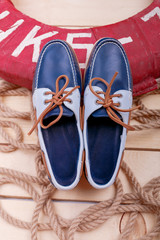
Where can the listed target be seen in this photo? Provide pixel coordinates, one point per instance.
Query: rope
(149, 118)
(141, 200)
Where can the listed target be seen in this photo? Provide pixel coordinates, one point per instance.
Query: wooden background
(142, 151)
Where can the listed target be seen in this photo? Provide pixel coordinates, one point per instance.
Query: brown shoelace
(56, 100)
(108, 103)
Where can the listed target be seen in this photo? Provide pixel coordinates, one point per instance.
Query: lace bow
(107, 101)
(56, 100)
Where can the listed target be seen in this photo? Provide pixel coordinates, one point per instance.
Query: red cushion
(22, 38)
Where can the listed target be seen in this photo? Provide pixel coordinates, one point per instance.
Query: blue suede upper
(108, 57)
(103, 134)
(61, 139)
(56, 59)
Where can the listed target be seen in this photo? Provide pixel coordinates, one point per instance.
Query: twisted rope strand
(150, 118)
(129, 226)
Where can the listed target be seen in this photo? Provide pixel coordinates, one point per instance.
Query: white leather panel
(38, 100)
(125, 103)
(90, 101)
(74, 105)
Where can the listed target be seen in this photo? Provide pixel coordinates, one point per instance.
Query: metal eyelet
(119, 104)
(44, 102)
(96, 102)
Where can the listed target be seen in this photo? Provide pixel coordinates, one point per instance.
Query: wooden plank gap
(142, 149)
(5, 197)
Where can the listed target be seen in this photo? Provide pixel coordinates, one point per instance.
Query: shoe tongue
(101, 112)
(55, 112)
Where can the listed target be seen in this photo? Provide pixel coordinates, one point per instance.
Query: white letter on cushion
(155, 11)
(5, 34)
(4, 14)
(71, 36)
(30, 40)
(125, 40)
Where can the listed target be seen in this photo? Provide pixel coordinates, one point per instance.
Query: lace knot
(56, 101)
(108, 103)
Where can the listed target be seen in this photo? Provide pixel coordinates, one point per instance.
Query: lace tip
(30, 132)
(131, 128)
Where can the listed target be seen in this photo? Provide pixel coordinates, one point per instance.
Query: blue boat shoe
(107, 107)
(56, 100)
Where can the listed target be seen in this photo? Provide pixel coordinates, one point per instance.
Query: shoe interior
(62, 144)
(104, 137)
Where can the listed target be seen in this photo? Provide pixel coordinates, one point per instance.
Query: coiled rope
(144, 199)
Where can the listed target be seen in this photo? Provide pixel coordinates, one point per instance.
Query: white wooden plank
(146, 139)
(145, 166)
(152, 101)
(18, 103)
(150, 138)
